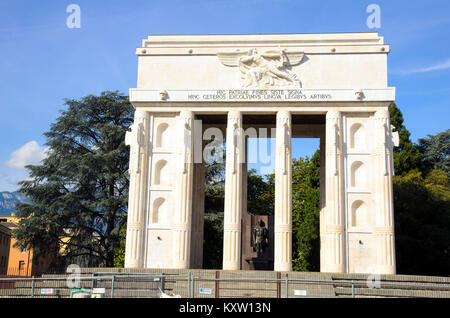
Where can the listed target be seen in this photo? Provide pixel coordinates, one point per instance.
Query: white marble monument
(328, 86)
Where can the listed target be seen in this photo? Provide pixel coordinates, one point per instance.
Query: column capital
(234, 114)
(140, 114)
(187, 114)
(382, 114)
(333, 114)
(283, 115)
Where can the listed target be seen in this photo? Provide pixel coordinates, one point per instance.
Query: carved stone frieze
(270, 69)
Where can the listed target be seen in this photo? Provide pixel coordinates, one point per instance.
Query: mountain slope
(8, 201)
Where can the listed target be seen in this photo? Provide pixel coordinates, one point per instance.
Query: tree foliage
(305, 213)
(422, 223)
(421, 201)
(213, 220)
(260, 193)
(215, 184)
(435, 152)
(213, 240)
(406, 155)
(79, 192)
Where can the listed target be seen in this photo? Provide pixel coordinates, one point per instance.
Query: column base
(386, 270)
(282, 267)
(180, 266)
(333, 268)
(132, 264)
(231, 266)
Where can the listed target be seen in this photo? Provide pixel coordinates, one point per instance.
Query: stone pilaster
(138, 139)
(384, 228)
(283, 193)
(233, 192)
(183, 204)
(334, 230)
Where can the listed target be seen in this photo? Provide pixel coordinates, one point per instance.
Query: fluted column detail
(334, 229)
(322, 228)
(233, 192)
(138, 139)
(183, 204)
(384, 229)
(283, 193)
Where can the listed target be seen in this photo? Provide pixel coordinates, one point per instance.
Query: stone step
(247, 293)
(376, 292)
(393, 278)
(296, 290)
(50, 284)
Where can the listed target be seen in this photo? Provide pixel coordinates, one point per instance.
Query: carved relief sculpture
(265, 70)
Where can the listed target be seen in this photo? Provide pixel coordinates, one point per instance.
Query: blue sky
(42, 62)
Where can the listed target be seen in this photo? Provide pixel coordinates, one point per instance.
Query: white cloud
(29, 154)
(441, 66)
(9, 179)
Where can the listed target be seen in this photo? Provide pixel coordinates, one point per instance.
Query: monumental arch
(329, 86)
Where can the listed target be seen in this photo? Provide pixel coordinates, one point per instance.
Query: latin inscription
(258, 95)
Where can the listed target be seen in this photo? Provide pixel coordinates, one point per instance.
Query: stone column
(198, 204)
(244, 168)
(138, 139)
(322, 217)
(283, 193)
(384, 228)
(183, 203)
(334, 226)
(233, 192)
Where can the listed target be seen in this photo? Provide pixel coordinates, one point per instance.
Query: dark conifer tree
(79, 192)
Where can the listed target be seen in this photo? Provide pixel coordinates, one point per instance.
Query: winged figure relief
(268, 69)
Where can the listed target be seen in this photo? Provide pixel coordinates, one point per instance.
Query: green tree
(214, 207)
(213, 240)
(305, 213)
(422, 223)
(119, 254)
(215, 184)
(260, 193)
(406, 155)
(435, 152)
(79, 192)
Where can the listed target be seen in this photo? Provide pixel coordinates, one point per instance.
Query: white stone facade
(340, 79)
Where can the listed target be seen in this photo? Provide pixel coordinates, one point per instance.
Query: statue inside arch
(260, 237)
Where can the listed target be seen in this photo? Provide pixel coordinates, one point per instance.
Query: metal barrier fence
(29, 272)
(212, 284)
(110, 286)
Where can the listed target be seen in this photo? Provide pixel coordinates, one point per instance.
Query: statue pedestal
(252, 260)
(255, 263)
